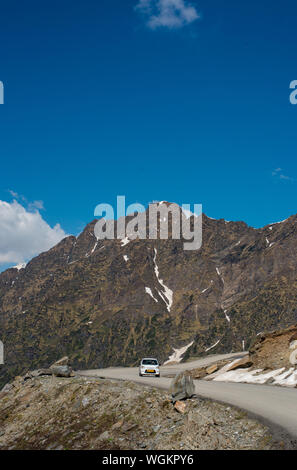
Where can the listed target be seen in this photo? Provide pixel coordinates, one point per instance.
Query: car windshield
(147, 362)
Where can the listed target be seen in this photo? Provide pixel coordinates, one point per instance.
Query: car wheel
(158, 376)
(140, 375)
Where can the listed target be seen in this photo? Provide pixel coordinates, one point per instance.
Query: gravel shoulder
(91, 413)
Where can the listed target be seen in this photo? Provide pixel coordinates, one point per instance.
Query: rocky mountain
(110, 302)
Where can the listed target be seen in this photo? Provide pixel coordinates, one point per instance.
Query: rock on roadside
(180, 406)
(61, 371)
(64, 361)
(211, 369)
(61, 368)
(243, 363)
(182, 387)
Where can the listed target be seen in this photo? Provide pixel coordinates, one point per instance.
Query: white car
(149, 366)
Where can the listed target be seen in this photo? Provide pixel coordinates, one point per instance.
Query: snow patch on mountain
(220, 275)
(285, 378)
(167, 294)
(19, 266)
(148, 290)
(227, 316)
(213, 346)
(95, 246)
(125, 241)
(204, 290)
(178, 354)
(207, 288)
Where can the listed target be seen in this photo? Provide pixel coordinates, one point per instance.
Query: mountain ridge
(101, 302)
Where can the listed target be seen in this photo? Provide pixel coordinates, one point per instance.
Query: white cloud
(278, 172)
(14, 194)
(170, 14)
(31, 205)
(36, 205)
(24, 233)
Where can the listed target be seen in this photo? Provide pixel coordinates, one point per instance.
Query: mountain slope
(110, 302)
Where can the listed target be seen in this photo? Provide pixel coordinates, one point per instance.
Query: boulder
(180, 406)
(182, 387)
(61, 371)
(64, 361)
(212, 369)
(243, 363)
(61, 368)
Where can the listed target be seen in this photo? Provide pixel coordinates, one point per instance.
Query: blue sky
(191, 106)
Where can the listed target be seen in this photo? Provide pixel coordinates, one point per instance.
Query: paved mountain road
(276, 405)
